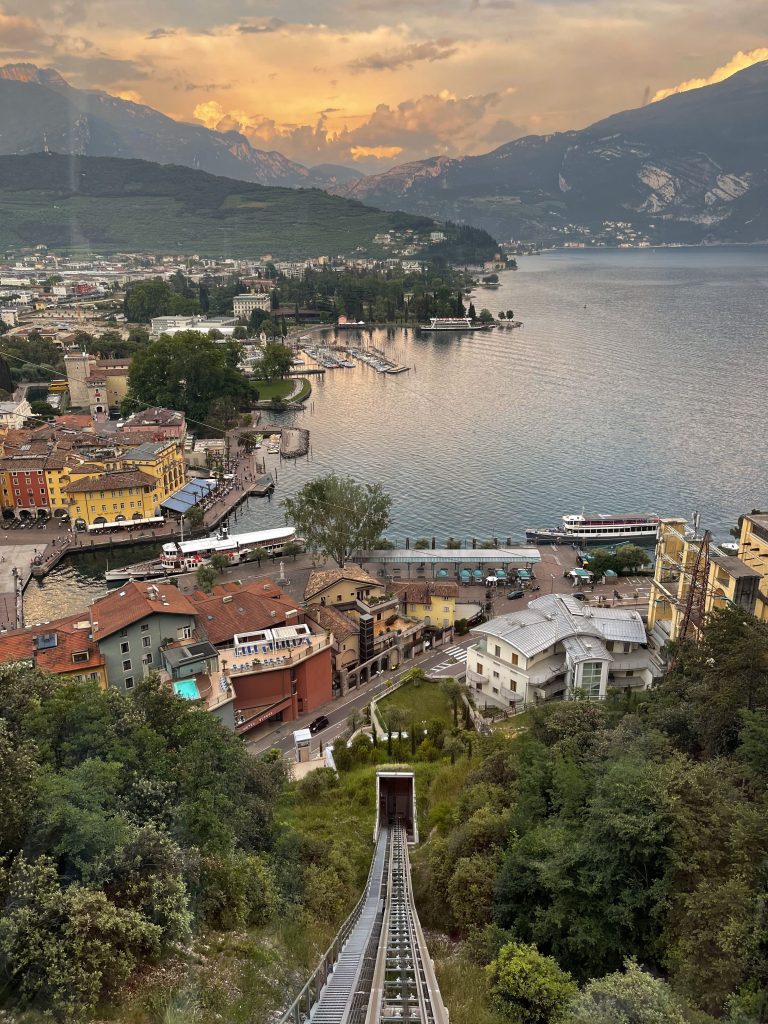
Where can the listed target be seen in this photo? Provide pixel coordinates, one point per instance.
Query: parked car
(321, 722)
(579, 596)
(513, 595)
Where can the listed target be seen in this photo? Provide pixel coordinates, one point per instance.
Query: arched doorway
(59, 513)
(24, 513)
(99, 521)
(137, 515)
(120, 518)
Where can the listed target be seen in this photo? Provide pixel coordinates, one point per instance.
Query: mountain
(105, 204)
(692, 167)
(39, 111)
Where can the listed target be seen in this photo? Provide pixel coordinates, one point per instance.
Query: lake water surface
(637, 383)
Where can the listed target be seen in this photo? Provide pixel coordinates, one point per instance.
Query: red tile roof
(422, 591)
(111, 482)
(135, 601)
(72, 638)
(238, 608)
(321, 579)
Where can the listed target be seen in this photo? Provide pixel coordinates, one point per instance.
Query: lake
(637, 383)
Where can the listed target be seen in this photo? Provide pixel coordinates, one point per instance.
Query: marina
(461, 469)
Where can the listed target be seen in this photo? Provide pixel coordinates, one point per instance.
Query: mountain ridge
(691, 167)
(40, 110)
(109, 204)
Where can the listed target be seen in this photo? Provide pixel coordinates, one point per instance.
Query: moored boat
(585, 529)
(452, 323)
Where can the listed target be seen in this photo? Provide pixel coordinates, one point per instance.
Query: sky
(373, 83)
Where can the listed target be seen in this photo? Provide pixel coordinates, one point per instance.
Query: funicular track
(378, 970)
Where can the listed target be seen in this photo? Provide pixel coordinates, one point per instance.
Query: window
(514, 659)
(125, 648)
(146, 641)
(480, 669)
(591, 673)
(145, 627)
(497, 650)
(147, 659)
(128, 682)
(123, 632)
(127, 666)
(495, 675)
(80, 656)
(184, 632)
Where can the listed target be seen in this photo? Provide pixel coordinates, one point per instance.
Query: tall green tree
(337, 516)
(188, 372)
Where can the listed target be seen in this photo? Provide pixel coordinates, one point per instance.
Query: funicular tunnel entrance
(396, 801)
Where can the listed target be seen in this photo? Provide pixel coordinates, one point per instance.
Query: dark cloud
(161, 33)
(101, 71)
(438, 49)
(270, 25)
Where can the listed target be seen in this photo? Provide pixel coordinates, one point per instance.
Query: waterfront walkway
(36, 551)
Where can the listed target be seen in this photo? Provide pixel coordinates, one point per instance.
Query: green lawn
(423, 703)
(271, 389)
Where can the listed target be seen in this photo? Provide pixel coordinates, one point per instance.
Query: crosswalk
(456, 654)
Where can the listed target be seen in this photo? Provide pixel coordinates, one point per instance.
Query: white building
(13, 414)
(173, 324)
(243, 305)
(556, 646)
(9, 315)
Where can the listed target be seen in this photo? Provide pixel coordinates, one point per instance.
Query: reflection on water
(631, 387)
(75, 582)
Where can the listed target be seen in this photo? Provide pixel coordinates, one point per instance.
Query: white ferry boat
(586, 529)
(452, 323)
(188, 555)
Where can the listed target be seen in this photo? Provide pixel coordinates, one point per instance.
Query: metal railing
(301, 1008)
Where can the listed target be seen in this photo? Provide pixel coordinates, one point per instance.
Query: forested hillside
(593, 864)
(605, 833)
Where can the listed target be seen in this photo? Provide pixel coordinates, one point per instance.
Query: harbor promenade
(34, 552)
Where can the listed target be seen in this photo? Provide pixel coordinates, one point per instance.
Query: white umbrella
(490, 580)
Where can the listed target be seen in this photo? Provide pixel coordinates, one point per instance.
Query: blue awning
(181, 501)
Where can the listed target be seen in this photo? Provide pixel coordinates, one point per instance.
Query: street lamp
(552, 584)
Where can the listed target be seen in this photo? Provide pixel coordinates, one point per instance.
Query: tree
(291, 549)
(42, 409)
(422, 544)
(191, 373)
(219, 562)
(453, 690)
(194, 517)
(472, 312)
(511, 312)
(628, 997)
(528, 988)
(631, 557)
(453, 544)
(338, 516)
(206, 577)
(275, 363)
(453, 745)
(502, 315)
(383, 544)
(486, 316)
(247, 441)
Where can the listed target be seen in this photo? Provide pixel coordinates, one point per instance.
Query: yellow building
(342, 586)
(112, 497)
(684, 562)
(429, 601)
(753, 551)
(162, 460)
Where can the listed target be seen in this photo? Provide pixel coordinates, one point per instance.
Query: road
(445, 661)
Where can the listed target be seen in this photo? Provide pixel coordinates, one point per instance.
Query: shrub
(529, 988)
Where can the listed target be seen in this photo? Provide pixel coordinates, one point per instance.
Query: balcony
(268, 658)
